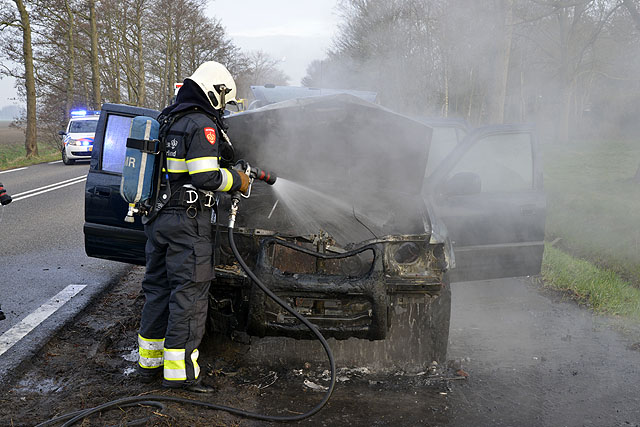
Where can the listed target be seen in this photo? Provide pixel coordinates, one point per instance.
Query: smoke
(361, 163)
(482, 62)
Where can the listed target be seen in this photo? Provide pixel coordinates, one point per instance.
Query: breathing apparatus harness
(155, 400)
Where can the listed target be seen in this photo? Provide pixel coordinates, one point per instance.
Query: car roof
(91, 117)
(271, 94)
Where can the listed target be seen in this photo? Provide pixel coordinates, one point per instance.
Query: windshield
(83, 126)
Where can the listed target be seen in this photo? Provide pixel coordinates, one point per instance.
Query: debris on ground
(92, 360)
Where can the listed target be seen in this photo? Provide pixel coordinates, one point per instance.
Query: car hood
(82, 135)
(339, 143)
(343, 163)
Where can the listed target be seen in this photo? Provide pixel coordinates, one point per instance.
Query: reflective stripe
(176, 165)
(194, 359)
(227, 180)
(174, 365)
(151, 343)
(150, 362)
(150, 352)
(202, 164)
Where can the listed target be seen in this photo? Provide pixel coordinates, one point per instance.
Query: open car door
(488, 194)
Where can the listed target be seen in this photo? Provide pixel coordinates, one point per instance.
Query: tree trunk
(499, 95)
(141, 75)
(71, 61)
(30, 143)
(633, 11)
(635, 15)
(95, 64)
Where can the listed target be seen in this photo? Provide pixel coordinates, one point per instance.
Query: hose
(155, 399)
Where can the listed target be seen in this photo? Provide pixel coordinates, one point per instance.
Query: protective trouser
(179, 270)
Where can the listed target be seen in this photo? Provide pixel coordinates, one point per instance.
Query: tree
(24, 56)
(260, 69)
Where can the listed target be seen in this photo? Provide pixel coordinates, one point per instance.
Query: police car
(77, 140)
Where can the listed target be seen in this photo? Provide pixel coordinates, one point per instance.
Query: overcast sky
(293, 31)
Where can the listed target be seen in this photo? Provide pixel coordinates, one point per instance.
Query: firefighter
(179, 250)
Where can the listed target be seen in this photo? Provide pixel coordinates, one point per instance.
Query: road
(42, 256)
(534, 358)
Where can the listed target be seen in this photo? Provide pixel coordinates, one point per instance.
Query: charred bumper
(348, 294)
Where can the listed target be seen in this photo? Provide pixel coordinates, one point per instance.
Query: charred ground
(91, 360)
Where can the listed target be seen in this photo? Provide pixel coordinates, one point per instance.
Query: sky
(293, 31)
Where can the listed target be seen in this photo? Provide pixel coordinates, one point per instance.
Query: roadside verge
(598, 288)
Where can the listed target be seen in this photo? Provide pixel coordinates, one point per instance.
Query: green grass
(12, 156)
(593, 205)
(601, 289)
(13, 153)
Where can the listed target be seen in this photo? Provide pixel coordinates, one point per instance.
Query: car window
(504, 162)
(83, 126)
(443, 141)
(115, 140)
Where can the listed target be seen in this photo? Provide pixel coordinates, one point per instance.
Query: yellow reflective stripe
(150, 354)
(202, 164)
(227, 180)
(174, 365)
(194, 359)
(176, 165)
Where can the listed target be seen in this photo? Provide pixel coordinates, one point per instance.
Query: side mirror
(462, 184)
(61, 133)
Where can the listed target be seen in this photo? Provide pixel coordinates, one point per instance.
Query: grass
(13, 153)
(601, 289)
(593, 205)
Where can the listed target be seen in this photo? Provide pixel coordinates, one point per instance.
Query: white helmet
(216, 82)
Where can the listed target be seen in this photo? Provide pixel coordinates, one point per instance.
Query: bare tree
(23, 23)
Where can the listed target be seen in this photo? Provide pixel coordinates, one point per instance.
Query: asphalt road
(45, 274)
(536, 358)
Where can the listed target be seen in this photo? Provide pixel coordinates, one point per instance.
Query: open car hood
(368, 160)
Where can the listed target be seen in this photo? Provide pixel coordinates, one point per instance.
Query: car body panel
(497, 231)
(271, 94)
(347, 295)
(106, 233)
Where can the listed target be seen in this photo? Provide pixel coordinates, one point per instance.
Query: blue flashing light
(78, 113)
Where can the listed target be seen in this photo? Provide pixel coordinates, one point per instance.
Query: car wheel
(65, 159)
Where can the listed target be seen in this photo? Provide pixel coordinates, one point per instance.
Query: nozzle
(268, 177)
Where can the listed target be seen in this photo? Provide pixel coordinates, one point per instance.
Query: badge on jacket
(210, 134)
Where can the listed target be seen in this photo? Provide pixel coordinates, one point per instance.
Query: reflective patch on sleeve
(210, 134)
(176, 165)
(202, 164)
(174, 365)
(227, 180)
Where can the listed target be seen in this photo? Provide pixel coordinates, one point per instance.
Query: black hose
(153, 399)
(302, 319)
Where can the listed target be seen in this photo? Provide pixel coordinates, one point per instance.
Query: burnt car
(352, 186)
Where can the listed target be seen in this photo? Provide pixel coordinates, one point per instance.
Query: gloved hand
(244, 178)
(5, 199)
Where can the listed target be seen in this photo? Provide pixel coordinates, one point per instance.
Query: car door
(106, 234)
(489, 195)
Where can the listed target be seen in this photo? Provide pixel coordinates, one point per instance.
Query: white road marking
(47, 188)
(53, 163)
(13, 170)
(26, 325)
